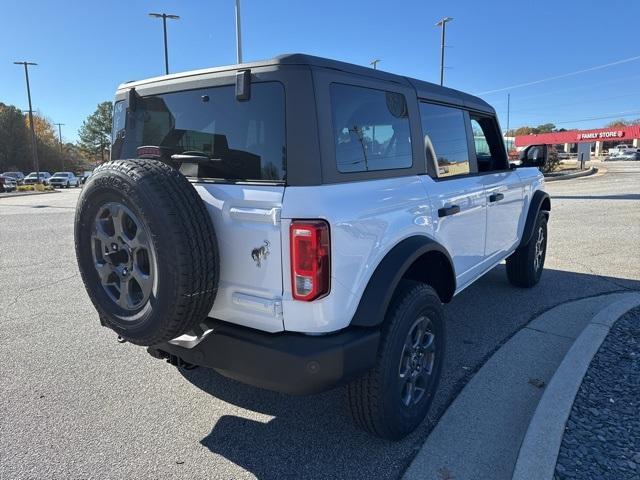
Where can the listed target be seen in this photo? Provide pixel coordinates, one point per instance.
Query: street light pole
(34, 148)
(508, 109)
(164, 17)
(60, 141)
(442, 23)
(238, 33)
(375, 63)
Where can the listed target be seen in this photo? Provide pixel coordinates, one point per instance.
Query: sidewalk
(480, 434)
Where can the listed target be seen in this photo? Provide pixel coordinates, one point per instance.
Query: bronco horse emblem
(259, 254)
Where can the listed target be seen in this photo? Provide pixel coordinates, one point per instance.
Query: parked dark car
(19, 176)
(7, 183)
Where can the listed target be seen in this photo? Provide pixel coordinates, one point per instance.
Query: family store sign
(628, 133)
(599, 135)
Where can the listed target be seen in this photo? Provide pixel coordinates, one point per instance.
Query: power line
(580, 102)
(628, 113)
(564, 75)
(572, 89)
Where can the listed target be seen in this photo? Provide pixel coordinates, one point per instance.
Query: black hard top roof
(424, 89)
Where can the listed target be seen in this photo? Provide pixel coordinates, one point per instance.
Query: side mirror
(534, 156)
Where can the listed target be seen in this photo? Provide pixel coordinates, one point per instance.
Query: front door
(503, 188)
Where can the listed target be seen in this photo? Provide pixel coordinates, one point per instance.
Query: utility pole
(164, 17)
(34, 145)
(60, 141)
(238, 33)
(375, 63)
(442, 23)
(508, 113)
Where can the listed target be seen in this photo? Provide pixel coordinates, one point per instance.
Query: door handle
(450, 210)
(495, 197)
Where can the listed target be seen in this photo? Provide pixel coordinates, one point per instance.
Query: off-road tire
(521, 269)
(374, 399)
(183, 239)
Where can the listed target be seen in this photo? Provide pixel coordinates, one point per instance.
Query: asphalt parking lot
(77, 404)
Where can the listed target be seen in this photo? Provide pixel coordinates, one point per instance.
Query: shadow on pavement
(314, 437)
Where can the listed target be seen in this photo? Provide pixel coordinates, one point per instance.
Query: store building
(601, 139)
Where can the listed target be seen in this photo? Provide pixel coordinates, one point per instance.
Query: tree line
(16, 149)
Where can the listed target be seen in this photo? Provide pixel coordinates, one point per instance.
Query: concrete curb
(539, 450)
(24, 194)
(584, 173)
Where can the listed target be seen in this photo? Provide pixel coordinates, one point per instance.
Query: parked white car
(64, 180)
(301, 254)
(627, 154)
(33, 178)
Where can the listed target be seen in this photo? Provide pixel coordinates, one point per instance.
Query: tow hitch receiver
(170, 358)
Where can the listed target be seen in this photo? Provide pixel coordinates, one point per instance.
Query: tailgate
(246, 219)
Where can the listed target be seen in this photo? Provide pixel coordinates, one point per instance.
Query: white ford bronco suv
(297, 223)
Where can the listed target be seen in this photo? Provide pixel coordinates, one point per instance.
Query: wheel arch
(540, 202)
(417, 258)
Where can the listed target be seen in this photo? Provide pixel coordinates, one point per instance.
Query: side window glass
(445, 138)
(487, 141)
(370, 129)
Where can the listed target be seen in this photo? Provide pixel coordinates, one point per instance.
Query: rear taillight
(310, 253)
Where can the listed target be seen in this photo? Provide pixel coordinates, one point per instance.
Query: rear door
(456, 193)
(246, 219)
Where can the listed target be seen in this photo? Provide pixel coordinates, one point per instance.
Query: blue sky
(85, 48)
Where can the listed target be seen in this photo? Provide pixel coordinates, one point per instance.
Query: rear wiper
(190, 157)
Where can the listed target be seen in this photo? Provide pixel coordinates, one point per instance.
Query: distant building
(601, 139)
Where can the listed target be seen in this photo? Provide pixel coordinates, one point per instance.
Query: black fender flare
(540, 202)
(382, 284)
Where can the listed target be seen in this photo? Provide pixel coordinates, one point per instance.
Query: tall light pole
(442, 23)
(60, 142)
(164, 17)
(34, 148)
(238, 33)
(508, 115)
(374, 63)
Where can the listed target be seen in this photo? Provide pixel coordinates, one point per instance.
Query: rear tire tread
(196, 254)
(364, 395)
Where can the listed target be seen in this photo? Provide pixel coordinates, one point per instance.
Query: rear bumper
(285, 362)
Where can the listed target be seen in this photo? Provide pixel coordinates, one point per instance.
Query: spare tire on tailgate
(146, 249)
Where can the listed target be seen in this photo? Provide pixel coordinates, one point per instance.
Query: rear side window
(244, 140)
(370, 129)
(445, 139)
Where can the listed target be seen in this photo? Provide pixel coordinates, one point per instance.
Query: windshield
(245, 140)
(60, 174)
(11, 174)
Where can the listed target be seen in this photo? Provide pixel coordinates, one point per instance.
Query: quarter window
(370, 129)
(490, 153)
(445, 139)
